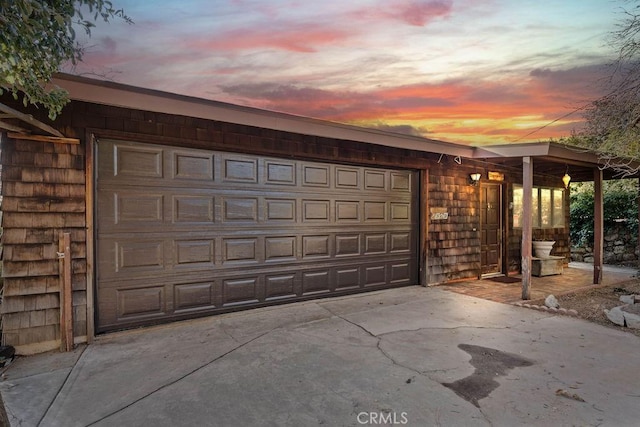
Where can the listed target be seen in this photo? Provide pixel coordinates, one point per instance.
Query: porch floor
(576, 276)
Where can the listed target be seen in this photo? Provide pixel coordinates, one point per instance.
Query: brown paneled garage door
(185, 232)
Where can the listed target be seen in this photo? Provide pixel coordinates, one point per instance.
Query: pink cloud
(420, 12)
(412, 12)
(296, 38)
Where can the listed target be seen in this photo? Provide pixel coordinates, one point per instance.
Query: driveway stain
(489, 363)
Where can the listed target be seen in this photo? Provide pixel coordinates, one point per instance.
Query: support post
(598, 227)
(527, 188)
(66, 295)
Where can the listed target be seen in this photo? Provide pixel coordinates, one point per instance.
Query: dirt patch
(590, 303)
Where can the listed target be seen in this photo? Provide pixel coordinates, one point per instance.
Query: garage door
(185, 232)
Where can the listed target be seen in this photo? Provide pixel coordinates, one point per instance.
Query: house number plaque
(439, 213)
(495, 176)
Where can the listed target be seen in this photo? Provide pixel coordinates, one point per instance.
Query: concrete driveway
(411, 356)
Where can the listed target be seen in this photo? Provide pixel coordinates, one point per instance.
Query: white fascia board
(512, 150)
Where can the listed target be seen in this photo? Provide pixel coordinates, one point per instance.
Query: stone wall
(620, 248)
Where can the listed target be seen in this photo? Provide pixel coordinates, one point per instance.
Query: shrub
(620, 205)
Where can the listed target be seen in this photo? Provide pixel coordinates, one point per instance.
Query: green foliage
(37, 37)
(581, 218)
(620, 205)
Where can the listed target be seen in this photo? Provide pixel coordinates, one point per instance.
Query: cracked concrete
(335, 362)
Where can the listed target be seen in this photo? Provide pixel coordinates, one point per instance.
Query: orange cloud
(523, 108)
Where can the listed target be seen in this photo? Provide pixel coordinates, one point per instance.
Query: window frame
(556, 218)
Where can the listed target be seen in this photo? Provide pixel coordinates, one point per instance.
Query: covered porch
(567, 164)
(508, 289)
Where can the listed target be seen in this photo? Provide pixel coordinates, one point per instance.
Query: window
(547, 207)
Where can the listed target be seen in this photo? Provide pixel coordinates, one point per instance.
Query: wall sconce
(566, 179)
(474, 178)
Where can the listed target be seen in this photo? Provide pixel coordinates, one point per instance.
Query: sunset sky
(466, 71)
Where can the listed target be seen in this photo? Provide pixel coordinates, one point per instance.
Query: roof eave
(116, 94)
(532, 149)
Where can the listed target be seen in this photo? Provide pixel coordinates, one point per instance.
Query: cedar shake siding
(453, 243)
(43, 196)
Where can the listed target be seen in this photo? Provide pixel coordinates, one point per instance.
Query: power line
(552, 122)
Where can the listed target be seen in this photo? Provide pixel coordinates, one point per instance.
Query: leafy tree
(37, 37)
(581, 216)
(613, 121)
(620, 205)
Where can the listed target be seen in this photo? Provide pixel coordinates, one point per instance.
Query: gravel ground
(591, 303)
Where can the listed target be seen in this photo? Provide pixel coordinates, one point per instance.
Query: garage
(185, 232)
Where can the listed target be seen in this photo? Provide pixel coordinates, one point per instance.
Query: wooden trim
(11, 127)
(501, 219)
(37, 347)
(506, 221)
(43, 138)
(395, 158)
(66, 294)
(424, 226)
(29, 119)
(90, 143)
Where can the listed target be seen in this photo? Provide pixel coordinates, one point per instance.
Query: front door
(490, 228)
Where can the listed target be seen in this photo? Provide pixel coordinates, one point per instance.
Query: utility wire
(552, 122)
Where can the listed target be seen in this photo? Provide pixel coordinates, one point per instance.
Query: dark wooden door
(491, 228)
(184, 232)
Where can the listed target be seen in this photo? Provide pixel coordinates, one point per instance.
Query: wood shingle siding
(454, 243)
(43, 196)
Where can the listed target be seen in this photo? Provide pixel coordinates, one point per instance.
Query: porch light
(474, 178)
(566, 178)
